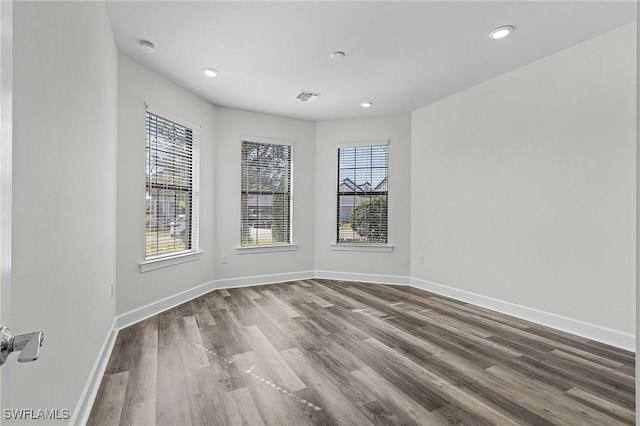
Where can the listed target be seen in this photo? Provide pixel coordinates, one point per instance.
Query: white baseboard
(609, 336)
(81, 414)
(134, 316)
(573, 326)
(263, 279)
(367, 278)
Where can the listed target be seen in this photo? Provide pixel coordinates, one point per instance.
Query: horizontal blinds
(171, 176)
(266, 193)
(362, 194)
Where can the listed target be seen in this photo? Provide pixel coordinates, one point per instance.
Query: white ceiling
(400, 55)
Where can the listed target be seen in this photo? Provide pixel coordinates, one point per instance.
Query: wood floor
(332, 352)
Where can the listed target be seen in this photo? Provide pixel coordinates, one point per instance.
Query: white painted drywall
(231, 124)
(397, 129)
(138, 85)
(64, 196)
(220, 133)
(6, 143)
(637, 299)
(523, 187)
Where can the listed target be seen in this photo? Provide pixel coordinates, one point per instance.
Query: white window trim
(271, 248)
(266, 248)
(170, 260)
(361, 143)
(382, 248)
(171, 117)
(270, 141)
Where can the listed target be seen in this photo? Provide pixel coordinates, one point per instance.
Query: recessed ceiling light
(501, 32)
(146, 46)
(367, 104)
(337, 55)
(210, 72)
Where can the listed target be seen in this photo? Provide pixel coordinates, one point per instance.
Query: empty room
(301, 212)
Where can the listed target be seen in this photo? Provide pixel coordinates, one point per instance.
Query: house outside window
(362, 194)
(266, 193)
(171, 187)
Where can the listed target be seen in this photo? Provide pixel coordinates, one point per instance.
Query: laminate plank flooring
(324, 352)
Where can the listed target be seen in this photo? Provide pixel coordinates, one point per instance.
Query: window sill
(266, 248)
(380, 248)
(163, 262)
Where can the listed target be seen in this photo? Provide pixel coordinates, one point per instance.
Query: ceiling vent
(305, 96)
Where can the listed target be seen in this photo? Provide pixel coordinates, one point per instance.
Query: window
(172, 188)
(362, 194)
(265, 193)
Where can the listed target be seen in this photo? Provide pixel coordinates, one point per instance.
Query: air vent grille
(306, 96)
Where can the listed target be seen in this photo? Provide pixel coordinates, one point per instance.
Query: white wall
(220, 133)
(231, 124)
(138, 85)
(64, 196)
(637, 300)
(523, 187)
(397, 129)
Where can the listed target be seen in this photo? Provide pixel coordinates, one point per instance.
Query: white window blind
(266, 193)
(172, 187)
(362, 194)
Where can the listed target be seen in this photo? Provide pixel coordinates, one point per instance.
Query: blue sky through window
(364, 163)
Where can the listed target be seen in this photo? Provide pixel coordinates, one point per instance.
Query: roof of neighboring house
(382, 186)
(347, 185)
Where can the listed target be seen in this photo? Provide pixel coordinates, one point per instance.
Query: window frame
(193, 252)
(290, 245)
(364, 246)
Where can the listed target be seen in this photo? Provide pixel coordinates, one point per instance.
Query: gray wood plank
(331, 396)
(194, 355)
(202, 313)
(240, 408)
(172, 402)
(408, 411)
(140, 406)
(549, 402)
(620, 413)
(270, 295)
(271, 360)
(107, 408)
(276, 406)
(436, 384)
